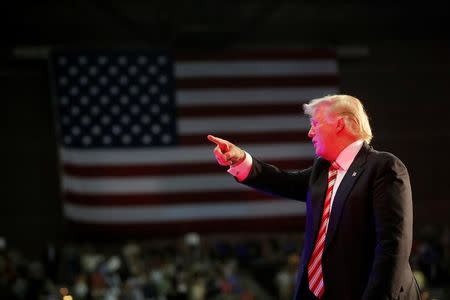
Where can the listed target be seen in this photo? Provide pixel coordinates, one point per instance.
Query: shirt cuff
(242, 169)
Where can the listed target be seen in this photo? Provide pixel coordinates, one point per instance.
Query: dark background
(395, 57)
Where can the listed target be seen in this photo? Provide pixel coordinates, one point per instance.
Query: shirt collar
(346, 157)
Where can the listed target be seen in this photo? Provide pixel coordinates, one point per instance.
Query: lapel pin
(354, 174)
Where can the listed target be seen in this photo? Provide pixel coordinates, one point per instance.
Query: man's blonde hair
(347, 107)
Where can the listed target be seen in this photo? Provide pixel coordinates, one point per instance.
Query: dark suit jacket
(368, 243)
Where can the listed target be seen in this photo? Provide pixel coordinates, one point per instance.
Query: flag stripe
(270, 95)
(281, 137)
(241, 124)
(182, 212)
(259, 54)
(278, 108)
(192, 154)
(164, 198)
(267, 68)
(138, 229)
(252, 82)
(150, 184)
(166, 169)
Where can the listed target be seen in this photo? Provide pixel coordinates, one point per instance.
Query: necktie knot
(334, 166)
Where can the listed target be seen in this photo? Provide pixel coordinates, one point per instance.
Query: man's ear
(340, 125)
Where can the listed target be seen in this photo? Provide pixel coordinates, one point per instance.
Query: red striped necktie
(315, 275)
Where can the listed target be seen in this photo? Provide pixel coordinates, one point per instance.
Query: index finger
(223, 145)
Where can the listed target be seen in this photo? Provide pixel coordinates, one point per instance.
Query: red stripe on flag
(249, 55)
(165, 198)
(241, 110)
(250, 82)
(164, 169)
(247, 138)
(140, 170)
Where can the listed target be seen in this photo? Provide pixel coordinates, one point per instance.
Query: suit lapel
(350, 178)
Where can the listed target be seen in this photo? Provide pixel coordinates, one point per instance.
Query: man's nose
(311, 133)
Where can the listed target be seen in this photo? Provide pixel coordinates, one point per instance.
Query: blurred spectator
(286, 277)
(80, 288)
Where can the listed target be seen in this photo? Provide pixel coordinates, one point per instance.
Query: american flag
(132, 130)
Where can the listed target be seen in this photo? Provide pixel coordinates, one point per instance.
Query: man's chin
(319, 154)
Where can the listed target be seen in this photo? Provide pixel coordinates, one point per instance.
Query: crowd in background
(191, 267)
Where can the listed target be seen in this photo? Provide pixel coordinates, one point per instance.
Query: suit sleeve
(392, 206)
(272, 180)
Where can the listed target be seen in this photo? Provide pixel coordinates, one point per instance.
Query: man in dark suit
(358, 231)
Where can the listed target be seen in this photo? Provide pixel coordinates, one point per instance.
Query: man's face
(322, 133)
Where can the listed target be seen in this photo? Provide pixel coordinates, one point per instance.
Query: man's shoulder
(384, 157)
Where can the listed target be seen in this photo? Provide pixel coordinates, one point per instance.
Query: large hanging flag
(132, 127)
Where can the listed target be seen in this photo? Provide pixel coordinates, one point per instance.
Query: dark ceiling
(194, 24)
